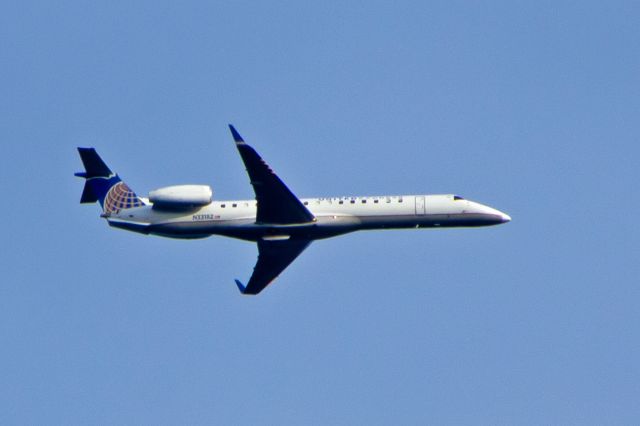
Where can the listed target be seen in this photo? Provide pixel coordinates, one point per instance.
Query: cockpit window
(457, 197)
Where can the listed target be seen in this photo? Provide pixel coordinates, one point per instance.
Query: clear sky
(530, 107)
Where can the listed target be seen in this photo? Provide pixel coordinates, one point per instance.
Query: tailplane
(104, 186)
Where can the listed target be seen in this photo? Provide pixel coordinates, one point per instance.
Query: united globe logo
(119, 197)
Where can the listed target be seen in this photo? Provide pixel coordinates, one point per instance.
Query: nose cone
(489, 215)
(502, 217)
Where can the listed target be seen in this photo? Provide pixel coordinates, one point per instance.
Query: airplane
(281, 224)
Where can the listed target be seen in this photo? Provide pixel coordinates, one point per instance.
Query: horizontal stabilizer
(93, 164)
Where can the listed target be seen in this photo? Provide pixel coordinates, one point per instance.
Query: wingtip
(236, 136)
(241, 287)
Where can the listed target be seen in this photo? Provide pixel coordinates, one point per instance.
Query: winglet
(241, 287)
(236, 136)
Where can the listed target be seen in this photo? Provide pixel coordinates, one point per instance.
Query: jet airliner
(281, 224)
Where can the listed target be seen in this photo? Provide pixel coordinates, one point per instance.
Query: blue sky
(531, 107)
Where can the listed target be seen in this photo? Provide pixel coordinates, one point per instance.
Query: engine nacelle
(181, 196)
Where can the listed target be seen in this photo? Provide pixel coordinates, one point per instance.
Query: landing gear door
(420, 207)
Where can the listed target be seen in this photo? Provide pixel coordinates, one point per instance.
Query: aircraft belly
(429, 221)
(141, 228)
(323, 227)
(198, 229)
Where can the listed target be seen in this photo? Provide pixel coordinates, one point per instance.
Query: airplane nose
(495, 216)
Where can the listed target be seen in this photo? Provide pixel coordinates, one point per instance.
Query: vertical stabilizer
(104, 186)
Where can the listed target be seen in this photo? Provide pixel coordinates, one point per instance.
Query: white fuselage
(333, 216)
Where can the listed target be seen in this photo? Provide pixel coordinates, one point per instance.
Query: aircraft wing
(276, 203)
(273, 258)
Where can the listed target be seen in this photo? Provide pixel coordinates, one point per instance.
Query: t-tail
(103, 185)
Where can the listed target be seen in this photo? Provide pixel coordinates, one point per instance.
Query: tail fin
(103, 185)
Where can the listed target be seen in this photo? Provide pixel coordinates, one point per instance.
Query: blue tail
(103, 185)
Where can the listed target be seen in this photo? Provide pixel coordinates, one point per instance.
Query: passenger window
(375, 201)
(340, 202)
(364, 201)
(223, 205)
(306, 203)
(234, 205)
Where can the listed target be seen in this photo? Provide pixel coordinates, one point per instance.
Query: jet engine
(181, 197)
